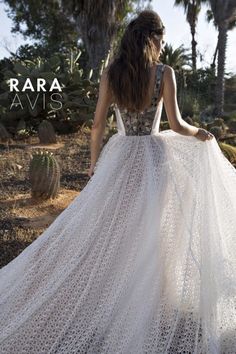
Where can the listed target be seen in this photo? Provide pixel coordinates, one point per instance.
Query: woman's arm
(171, 105)
(99, 122)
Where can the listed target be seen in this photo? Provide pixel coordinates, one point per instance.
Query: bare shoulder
(169, 77)
(169, 71)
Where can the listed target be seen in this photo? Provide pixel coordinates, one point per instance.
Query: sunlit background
(177, 33)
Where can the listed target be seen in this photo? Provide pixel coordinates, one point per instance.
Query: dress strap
(159, 76)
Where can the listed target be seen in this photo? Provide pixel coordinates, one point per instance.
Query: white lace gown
(143, 261)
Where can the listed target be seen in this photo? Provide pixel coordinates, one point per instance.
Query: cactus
(46, 133)
(21, 125)
(44, 175)
(4, 134)
(229, 151)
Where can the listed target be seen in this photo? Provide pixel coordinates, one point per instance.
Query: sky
(177, 33)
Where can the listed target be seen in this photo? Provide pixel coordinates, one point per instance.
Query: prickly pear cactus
(44, 175)
(46, 133)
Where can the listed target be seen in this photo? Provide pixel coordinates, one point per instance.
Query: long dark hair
(129, 72)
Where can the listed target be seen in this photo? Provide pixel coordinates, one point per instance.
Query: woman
(143, 260)
(135, 67)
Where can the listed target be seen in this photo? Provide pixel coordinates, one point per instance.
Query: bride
(144, 259)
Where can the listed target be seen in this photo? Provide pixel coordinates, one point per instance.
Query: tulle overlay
(142, 261)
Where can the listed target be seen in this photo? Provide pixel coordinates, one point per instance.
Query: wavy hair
(129, 72)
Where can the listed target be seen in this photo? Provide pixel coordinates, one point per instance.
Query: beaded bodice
(146, 122)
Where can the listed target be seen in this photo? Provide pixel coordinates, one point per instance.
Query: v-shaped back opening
(147, 121)
(155, 92)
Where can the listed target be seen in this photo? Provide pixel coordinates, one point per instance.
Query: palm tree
(224, 14)
(232, 25)
(176, 58)
(192, 9)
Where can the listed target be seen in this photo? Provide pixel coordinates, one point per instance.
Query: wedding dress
(143, 260)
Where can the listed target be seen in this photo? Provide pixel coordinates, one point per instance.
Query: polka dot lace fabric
(143, 261)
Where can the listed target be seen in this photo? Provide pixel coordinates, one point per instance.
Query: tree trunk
(222, 42)
(97, 44)
(194, 48)
(192, 14)
(213, 65)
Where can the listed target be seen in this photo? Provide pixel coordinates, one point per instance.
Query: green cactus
(44, 175)
(46, 133)
(78, 97)
(229, 151)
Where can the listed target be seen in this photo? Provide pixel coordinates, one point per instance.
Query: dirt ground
(22, 218)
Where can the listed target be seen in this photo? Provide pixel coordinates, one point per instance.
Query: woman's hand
(203, 134)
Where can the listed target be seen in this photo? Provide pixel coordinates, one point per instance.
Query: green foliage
(176, 58)
(56, 26)
(45, 22)
(216, 131)
(202, 83)
(22, 71)
(78, 96)
(44, 175)
(229, 151)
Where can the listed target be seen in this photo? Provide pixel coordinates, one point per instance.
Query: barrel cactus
(44, 175)
(46, 133)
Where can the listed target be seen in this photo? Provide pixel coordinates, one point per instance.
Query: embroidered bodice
(146, 122)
